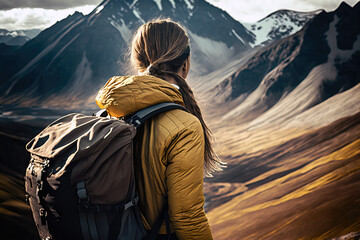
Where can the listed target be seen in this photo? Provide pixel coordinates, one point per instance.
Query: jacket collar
(125, 95)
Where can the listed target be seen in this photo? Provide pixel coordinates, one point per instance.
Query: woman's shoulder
(177, 120)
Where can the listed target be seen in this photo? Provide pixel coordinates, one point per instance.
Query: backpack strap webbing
(91, 227)
(141, 116)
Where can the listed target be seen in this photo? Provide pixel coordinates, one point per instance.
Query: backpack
(80, 181)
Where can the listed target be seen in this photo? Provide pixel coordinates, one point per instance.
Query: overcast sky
(29, 14)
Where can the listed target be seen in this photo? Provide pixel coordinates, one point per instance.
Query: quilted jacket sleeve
(184, 180)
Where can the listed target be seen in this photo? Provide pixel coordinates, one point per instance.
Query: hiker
(174, 148)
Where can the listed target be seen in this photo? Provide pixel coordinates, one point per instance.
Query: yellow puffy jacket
(172, 154)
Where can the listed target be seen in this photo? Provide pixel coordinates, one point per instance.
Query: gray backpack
(80, 181)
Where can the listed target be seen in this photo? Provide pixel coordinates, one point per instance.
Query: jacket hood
(125, 95)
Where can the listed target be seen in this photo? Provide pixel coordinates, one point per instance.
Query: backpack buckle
(43, 214)
(82, 195)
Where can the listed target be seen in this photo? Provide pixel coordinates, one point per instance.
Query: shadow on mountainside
(15, 215)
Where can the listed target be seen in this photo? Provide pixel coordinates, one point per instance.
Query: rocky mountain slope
(303, 188)
(52, 68)
(287, 124)
(278, 25)
(298, 73)
(285, 116)
(18, 37)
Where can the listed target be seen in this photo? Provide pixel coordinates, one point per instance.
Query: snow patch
(335, 53)
(98, 9)
(173, 3)
(123, 29)
(298, 106)
(238, 37)
(132, 5)
(286, 23)
(190, 5)
(158, 3)
(136, 13)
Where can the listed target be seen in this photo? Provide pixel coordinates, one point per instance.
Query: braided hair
(160, 48)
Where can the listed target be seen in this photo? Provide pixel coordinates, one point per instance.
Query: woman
(175, 145)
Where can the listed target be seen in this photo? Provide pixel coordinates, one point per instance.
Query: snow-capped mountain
(310, 77)
(74, 57)
(17, 37)
(278, 25)
(285, 116)
(287, 124)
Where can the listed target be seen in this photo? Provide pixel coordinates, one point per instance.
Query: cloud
(30, 18)
(48, 4)
(252, 11)
(328, 5)
(29, 14)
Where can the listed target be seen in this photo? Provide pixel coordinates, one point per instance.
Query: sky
(30, 14)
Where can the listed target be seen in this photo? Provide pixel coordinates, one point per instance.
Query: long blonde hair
(160, 48)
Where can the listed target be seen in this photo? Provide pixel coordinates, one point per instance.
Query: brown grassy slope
(306, 188)
(15, 217)
(254, 169)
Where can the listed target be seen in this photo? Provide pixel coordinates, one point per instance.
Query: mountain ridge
(281, 68)
(291, 144)
(53, 66)
(279, 24)
(17, 37)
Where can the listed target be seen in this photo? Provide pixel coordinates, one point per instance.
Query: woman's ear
(185, 68)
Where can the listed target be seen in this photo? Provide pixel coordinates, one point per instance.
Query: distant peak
(357, 5)
(343, 9)
(344, 5)
(77, 13)
(289, 12)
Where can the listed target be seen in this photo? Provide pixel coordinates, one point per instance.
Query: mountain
(13, 38)
(303, 188)
(285, 116)
(18, 37)
(287, 122)
(304, 71)
(53, 68)
(278, 25)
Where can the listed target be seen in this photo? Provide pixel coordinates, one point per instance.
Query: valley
(283, 106)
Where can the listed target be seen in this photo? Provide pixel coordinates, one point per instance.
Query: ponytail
(160, 48)
(212, 161)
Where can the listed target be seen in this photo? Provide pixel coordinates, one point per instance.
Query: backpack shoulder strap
(141, 116)
(101, 113)
(144, 114)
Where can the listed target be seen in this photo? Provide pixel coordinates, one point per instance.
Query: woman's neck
(169, 79)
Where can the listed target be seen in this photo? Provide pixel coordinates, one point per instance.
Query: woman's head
(160, 45)
(161, 48)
